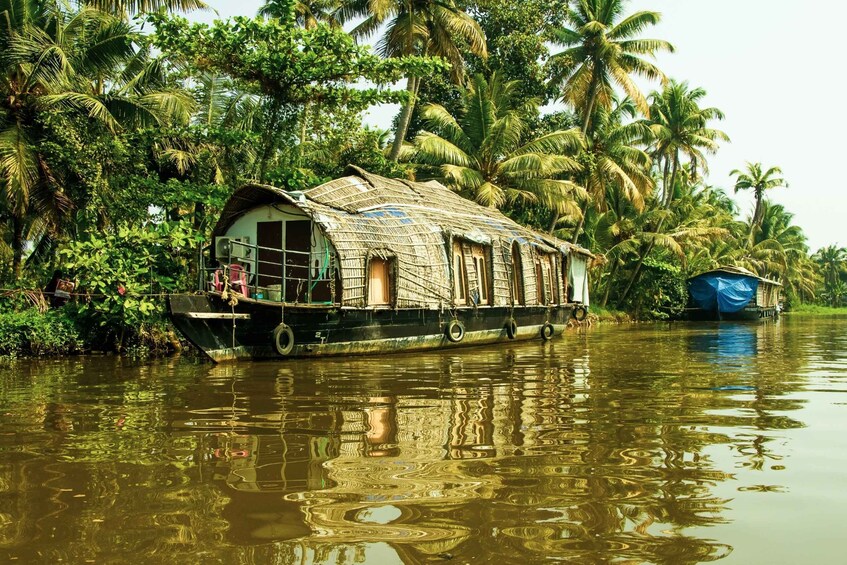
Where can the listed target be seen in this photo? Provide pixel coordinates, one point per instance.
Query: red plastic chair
(238, 279)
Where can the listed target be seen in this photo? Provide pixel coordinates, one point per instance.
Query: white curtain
(578, 277)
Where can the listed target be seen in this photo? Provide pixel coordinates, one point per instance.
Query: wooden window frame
(539, 279)
(545, 275)
(460, 275)
(481, 262)
(467, 255)
(517, 286)
(388, 265)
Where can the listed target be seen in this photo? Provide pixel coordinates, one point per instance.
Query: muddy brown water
(665, 443)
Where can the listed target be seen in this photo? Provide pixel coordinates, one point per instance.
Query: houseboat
(365, 264)
(732, 293)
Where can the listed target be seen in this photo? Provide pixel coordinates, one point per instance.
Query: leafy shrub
(31, 332)
(662, 292)
(124, 274)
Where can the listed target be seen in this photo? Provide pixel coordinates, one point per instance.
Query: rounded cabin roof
(738, 271)
(383, 212)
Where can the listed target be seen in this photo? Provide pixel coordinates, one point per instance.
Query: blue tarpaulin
(722, 292)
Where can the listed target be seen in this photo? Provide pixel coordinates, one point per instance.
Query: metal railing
(241, 273)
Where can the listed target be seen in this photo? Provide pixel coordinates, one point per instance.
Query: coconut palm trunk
(412, 86)
(647, 248)
(757, 211)
(17, 247)
(671, 182)
(586, 122)
(609, 282)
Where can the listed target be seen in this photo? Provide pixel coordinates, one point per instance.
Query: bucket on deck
(275, 292)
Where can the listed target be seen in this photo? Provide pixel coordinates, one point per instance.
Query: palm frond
(121, 7)
(435, 150)
(95, 108)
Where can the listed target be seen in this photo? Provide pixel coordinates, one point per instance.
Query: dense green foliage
(32, 332)
(124, 273)
(118, 147)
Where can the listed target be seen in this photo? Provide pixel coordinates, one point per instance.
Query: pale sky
(772, 69)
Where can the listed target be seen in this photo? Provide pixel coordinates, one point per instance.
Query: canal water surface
(631, 444)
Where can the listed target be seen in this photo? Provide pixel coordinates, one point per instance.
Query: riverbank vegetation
(818, 310)
(124, 128)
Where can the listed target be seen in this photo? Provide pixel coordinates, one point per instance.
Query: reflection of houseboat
(366, 264)
(732, 293)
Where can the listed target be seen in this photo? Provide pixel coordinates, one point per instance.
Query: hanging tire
(512, 328)
(455, 331)
(547, 331)
(283, 340)
(579, 313)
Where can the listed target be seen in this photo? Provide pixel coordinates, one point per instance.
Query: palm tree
(82, 66)
(777, 249)
(757, 181)
(481, 153)
(679, 128)
(832, 262)
(601, 49)
(614, 161)
(691, 222)
(678, 235)
(437, 28)
(220, 106)
(711, 204)
(614, 236)
(307, 13)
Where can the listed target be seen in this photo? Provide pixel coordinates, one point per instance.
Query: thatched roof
(366, 215)
(733, 270)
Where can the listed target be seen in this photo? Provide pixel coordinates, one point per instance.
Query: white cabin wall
(245, 226)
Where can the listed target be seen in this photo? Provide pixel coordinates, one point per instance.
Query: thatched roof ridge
(362, 192)
(733, 270)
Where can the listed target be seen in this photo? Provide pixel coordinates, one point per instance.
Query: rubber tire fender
(283, 340)
(547, 331)
(455, 331)
(579, 313)
(512, 328)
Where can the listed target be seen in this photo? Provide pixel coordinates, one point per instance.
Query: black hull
(751, 314)
(246, 330)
